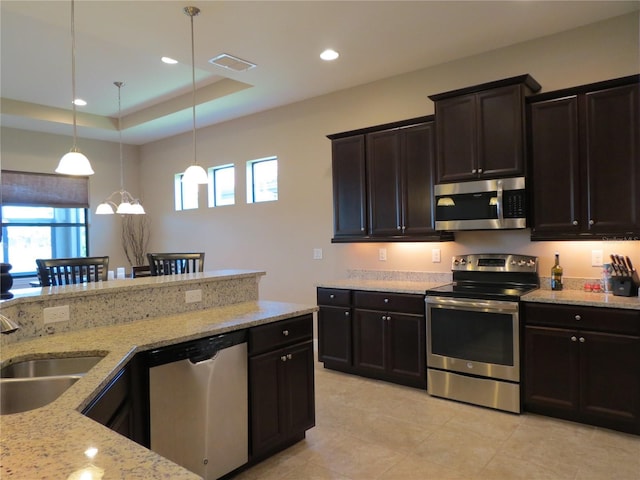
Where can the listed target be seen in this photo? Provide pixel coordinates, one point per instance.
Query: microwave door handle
(499, 203)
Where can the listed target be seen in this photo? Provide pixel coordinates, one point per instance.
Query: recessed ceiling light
(79, 102)
(329, 55)
(169, 60)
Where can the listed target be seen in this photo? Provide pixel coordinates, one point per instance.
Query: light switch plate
(435, 255)
(317, 254)
(382, 254)
(596, 258)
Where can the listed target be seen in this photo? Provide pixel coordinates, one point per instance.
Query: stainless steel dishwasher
(199, 404)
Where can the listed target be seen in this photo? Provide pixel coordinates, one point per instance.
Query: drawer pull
(332, 296)
(289, 356)
(283, 358)
(285, 333)
(578, 317)
(386, 300)
(346, 314)
(581, 339)
(573, 339)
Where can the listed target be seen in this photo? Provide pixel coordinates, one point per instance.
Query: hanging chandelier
(128, 205)
(194, 173)
(74, 162)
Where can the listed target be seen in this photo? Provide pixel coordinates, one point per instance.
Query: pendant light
(195, 173)
(74, 162)
(128, 205)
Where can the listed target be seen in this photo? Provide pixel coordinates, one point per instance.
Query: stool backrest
(171, 263)
(67, 271)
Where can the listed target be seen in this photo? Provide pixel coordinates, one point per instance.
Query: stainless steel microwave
(481, 205)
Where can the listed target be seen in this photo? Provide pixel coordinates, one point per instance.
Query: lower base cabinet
(374, 334)
(281, 384)
(583, 364)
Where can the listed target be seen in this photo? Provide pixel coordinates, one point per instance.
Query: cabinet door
(610, 380)
(612, 154)
(266, 383)
(334, 335)
(383, 175)
(417, 179)
(500, 130)
(555, 166)
(298, 403)
(551, 371)
(456, 139)
(349, 189)
(406, 339)
(369, 347)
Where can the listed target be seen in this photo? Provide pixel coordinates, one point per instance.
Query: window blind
(44, 189)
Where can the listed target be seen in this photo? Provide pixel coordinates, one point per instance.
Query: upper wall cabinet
(585, 161)
(383, 182)
(480, 130)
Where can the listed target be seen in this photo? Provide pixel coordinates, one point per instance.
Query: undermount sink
(24, 394)
(48, 367)
(31, 384)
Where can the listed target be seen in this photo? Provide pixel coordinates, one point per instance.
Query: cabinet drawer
(279, 334)
(334, 297)
(584, 318)
(393, 302)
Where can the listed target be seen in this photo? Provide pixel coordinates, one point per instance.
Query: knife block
(625, 285)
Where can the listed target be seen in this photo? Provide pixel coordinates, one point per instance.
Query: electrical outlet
(596, 258)
(192, 296)
(317, 254)
(382, 254)
(435, 255)
(56, 314)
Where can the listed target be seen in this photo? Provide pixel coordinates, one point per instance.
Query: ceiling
(124, 40)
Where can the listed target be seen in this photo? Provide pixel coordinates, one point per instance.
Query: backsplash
(401, 276)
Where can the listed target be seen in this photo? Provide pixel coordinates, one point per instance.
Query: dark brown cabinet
(281, 384)
(119, 406)
(383, 183)
(349, 187)
(583, 364)
(400, 181)
(585, 162)
(334, 326)
(480, 130)
(380, 335)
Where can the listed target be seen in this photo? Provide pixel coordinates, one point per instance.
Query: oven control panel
(495, 262)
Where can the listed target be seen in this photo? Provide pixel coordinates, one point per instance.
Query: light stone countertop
(394, 286)
(49, 442)
(579, 297)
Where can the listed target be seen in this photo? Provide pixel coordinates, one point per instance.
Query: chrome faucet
(7, 325)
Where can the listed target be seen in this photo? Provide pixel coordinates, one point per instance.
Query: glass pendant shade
(104, 209)
(195, 174)
(74, 163)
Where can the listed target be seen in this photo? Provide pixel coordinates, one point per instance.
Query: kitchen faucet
(7, 325)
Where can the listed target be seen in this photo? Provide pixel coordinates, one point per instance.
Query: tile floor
(369, 430)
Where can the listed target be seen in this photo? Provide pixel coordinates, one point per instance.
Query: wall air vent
(232, 63)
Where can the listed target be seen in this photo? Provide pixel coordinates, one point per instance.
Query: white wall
(279, 237)
(40, 152)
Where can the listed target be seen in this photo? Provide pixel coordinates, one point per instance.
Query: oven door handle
(499, 203)
(472, 303)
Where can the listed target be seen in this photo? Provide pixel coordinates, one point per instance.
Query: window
(43, 216)
(41, 232)
(222, 186)
(186, 194)
(262, 180)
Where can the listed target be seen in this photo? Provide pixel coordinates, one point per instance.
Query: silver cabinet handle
(332, 296)
(283, 358)
(582, 340)
(386, 300)
(573, 339)
(346, 314)
(578, 317)
(289, 356)
(285, 333)
(479, 170)
(384, 317)
(575, 222)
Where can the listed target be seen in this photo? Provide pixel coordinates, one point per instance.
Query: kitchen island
(53, 441)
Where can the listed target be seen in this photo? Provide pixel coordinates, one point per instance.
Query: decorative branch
(135, 238)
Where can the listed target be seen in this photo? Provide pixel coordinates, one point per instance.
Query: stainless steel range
(473, 330)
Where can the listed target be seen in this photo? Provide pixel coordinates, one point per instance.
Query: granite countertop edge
(54, 438)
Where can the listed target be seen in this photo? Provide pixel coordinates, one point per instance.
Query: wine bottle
(556, 274)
